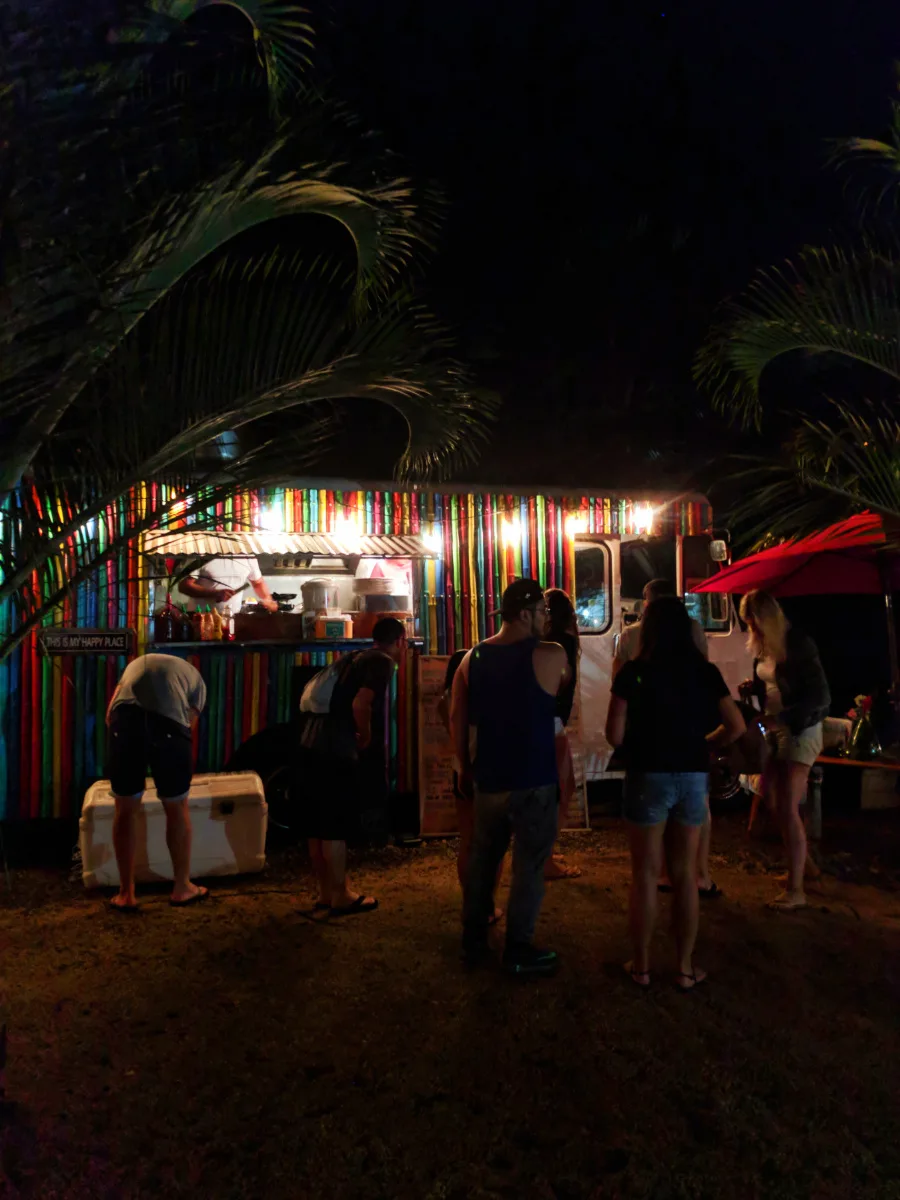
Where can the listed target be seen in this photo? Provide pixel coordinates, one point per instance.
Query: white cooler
(229, 815)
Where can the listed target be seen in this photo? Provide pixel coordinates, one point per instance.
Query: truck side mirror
(718, 550)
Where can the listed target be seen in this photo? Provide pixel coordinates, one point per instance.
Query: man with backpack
(344, 765)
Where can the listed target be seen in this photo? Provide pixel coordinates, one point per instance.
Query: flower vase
(864, 743)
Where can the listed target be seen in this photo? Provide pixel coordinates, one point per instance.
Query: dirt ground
(245, 1049)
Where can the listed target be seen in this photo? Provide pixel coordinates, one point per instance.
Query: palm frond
(831, 468)
(282, 33)
(836, 302)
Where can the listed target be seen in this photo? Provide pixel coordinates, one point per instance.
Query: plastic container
(334, 628)
(229, 815)
(320, 595)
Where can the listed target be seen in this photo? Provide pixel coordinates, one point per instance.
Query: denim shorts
(653, 797)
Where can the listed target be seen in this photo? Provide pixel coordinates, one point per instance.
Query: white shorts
(802, 748)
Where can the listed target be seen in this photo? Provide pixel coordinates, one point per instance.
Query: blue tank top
(514, 719)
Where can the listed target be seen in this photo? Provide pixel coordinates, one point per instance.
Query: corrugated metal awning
(245, 545)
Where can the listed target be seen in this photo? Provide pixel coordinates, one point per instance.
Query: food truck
(335, 555)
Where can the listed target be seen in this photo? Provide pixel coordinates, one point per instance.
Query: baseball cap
(521, 593)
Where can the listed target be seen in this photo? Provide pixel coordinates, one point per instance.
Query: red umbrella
(847, 559)
(850, 558)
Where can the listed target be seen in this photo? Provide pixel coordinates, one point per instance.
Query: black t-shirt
(672, 706)
(566, 699)
(370, 669)
(452, 667)
(334, 733)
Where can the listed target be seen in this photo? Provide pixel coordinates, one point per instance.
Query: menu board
(437, 803)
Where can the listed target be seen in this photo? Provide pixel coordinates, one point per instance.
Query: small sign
(86, 641)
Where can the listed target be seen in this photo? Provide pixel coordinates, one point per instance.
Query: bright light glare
(643, 517)
(433, 542)
(271, 519)
(347, 533)
(512, 532)
(576, 524)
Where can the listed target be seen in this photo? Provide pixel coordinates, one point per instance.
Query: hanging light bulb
(346, 532)
(575, 524)
(433, 542)
(643, 517)
(511, 532)
(271, 519)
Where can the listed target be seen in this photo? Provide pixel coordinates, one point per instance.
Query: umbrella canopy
(849, 558)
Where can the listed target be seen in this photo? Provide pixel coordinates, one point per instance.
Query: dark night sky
(613, 171)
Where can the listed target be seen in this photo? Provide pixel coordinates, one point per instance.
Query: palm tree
(153, 307)
(835, 311)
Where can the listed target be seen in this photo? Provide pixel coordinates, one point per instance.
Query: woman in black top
(563, 629)
(668, 707)
(793, 693)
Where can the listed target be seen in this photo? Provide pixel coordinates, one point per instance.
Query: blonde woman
(792, 689)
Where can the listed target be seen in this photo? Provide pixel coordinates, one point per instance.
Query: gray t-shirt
(163, 684)
(629, 646)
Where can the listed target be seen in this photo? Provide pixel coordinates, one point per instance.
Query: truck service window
(642, 560)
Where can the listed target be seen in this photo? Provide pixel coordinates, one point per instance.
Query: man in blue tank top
(502, 720)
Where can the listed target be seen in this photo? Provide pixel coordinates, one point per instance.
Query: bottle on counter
(166, 623)
(216, 625)
(187, 626)
(197, 625)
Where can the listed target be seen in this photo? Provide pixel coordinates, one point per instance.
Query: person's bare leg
(646, 843)
(682, 847)
(704, 879)
(178, 840)
(123, 836)
(320, 870)
(341, 895)
(793, 778)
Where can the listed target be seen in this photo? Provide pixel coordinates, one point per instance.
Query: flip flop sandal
(640, 979)
(564, 872)
(202, 894)
(713, 892)
(359, 905)
(321, 906)
(129, 909)
(777, 905)
(695, 980)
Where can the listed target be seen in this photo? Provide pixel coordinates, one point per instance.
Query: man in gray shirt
(150, 717)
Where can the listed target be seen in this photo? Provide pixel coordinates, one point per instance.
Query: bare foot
(788, 902)
(641, 978)
(558, 868)
(688, 980)
(498, 916)
(127, 901)
(185, 894)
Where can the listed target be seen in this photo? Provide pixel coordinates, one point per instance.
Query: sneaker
(527, 960)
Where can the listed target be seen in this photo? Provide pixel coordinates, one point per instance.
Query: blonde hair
(767, 625)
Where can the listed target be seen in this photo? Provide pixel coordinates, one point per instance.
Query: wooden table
(814, 790)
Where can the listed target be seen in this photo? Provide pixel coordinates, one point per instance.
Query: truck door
(597, 613)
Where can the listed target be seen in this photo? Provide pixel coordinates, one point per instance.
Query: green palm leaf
(833, 302)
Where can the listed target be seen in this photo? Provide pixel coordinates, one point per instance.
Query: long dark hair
(561, 612)
(666, 632)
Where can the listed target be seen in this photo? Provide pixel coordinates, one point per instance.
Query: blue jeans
(530, 818)
(652, 797)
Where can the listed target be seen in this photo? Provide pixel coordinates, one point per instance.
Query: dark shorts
(138, 740)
